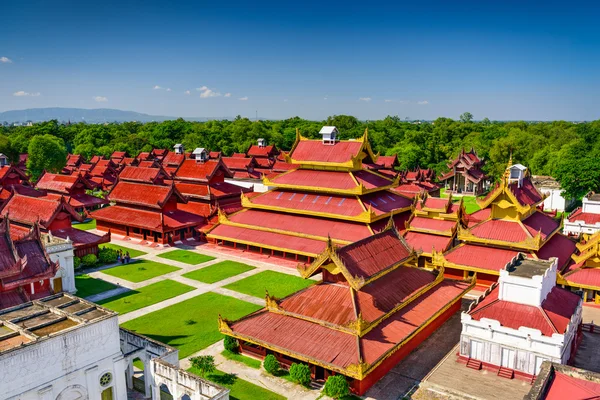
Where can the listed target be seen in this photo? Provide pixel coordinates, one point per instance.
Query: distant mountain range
(88, 115)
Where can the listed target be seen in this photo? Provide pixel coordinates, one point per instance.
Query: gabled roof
(10, 171)
(239, 163)
(173, 159)
(154, 220)
(142, 174)
(73, 160)
(61, 183)
(365, 260)
(142, 194)
(29, 210)
(201, 171)
(102, 167)
(118, 155)
(265, 151)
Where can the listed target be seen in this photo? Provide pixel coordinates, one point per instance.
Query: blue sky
(501, 60)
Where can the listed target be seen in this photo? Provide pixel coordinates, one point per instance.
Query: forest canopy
(567, 151)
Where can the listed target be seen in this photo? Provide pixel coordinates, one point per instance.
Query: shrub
(76, 262)
(89, 260)
(231, 344)
(336, 387)
(205, 364)
(107, 255)
(271, 364)
(300, 373)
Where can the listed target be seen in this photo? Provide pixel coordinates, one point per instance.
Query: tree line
(568, 151)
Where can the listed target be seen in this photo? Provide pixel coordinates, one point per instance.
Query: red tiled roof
(316, 179)
(385, 201)
(496, 229)
(436, 203)
(315, 150)
(577, 274)
(257, 151)
(399, 221)
(527, 194)
(173, 159)
(488, 258)
(374, 254)
(269, 239)
(478, 216)
(59, 183)
(371, 180)
(432, 224)
(201, 171)
(540, 222)
(552, 317)
(239, 163)
(427, 242)
(118, 154)
(147, 219)
(192, 189)
(238, 155)
(74, 159)
(558, 246)
(412, 189)
(339, 205)
(79, 200)
(226, 189)
(154, 196)
(340, 230)
(587, 218)
(388, 162)
(80, 237)
(282, 166)
(563, 387)
(140, 174)
(29, 210)
(330, 302)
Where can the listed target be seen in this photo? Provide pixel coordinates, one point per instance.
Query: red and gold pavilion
(371, 309)
(328, 194)
(583, 272)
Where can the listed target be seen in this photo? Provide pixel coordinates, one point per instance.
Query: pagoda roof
(366, 208)
(523, 197)
(31, 210)
(432, 225)
(584, 268)
(148, 219)
(553, 316)
(142, 194)
(427, 243)
(475, 258)
(193, 170)
(142, 174)
(335, 182)
(61, 183)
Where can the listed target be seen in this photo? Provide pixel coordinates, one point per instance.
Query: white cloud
(227, 95)
(388, 100)
(187, 92)
(5, 60)
(209, 93)
(156, 87)
(168, 89)
(21, 93)
(423, 102)
(367, 99)
(243, 98)
(100, 99)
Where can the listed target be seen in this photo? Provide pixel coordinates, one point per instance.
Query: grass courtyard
(218, 272)
(86, 226)
(186, 256)
(133, 253)
(191, 325)
(278, 284)
(239, 388)
(88, 286)
(145, 296)
(140, 270)
(470, 202)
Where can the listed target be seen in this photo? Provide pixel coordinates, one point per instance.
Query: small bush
(271, 364)
(300, 373)
(231, 344)
(336, 387)
(89, 260)
(205, 364)
(107, 255)
(76, 262)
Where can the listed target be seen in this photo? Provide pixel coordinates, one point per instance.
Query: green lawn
(88, 286)
(133, 253)
(192, 324)
(186, 256)
(249, 361)
(145, 296)
(239, 388)
(470, 202)
(140, 270)
(218, 272)
(278, 284)
(86, 226)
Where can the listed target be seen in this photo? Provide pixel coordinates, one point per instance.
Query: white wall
(589, 206)
(555, 200)
(258, 186)
(63, 254)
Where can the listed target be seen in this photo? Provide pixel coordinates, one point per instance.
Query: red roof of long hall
(340, 205)
(173, 159)
(268, 240)
(312, 178)
(488, 258)
(552, 317)
(315, 150)
(513, 231)
(374, 254)
(585, 217)
(431, 224)
(147, 219)
(258, 151)
(201, 171)
(558, 246)
(239, 163)
(340, 230)
(563, 387)
(80, 237)
(79, 200)
(142, 194)
(427, 242)
(28, 210)
(140, 174)
(56, 182)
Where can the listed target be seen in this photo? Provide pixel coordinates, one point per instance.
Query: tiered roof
(367, 307)
(72, 186)
(469, 164)
(584, 269)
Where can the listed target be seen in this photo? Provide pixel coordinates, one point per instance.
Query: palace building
(371, 309)
(583, 272)
(72, 187)
(509, 222)
(522, 321)
(465, 175)
(585, 220)
(329, 194)
(418, 182)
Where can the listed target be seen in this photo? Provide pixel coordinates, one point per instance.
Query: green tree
(231, 344)
(300, 373)
(46, 152)
(271, 365)
(579, 172)
(336, 387)
(466, 117)
(204, 364)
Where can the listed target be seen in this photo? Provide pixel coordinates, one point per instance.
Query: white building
(65, 348)
(585, 219)
(521, 321)
(548, 186)
(61, 251)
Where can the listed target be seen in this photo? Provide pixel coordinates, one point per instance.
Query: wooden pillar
(235, 245)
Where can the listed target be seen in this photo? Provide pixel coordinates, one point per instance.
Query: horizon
(505, 62)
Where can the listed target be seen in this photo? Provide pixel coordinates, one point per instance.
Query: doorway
(476, 350)
(508, 358)
(107, 394)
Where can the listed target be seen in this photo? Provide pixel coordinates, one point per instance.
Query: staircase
(506, 373)
(474, 364)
